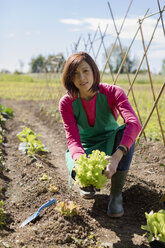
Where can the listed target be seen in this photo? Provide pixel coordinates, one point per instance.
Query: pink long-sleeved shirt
(118, 103)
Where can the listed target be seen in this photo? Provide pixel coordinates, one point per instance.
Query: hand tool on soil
(32, 217)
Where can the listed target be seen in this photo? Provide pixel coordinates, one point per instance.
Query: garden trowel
(32, 217)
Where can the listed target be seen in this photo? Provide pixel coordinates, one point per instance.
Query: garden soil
(23, 192)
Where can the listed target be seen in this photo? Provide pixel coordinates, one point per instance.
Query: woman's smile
(82, 84)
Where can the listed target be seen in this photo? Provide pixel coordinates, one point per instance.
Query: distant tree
(37, 64)
(117, 58)
(53, 63)
(4, 71)
(17, 72)
(163, 67)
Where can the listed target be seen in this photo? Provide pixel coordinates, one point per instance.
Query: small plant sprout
(162, 165)
(67, 208)
(39, 165)
(1, 136)
(30, 145)
(45, 177)
(2, 214)
(2, 164)
(6, 112)
(53, 188)
(90, 242)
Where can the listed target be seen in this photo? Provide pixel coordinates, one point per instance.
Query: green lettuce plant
(155, 226)
(89, 170)
(6, 112)
(67, 208)
(30, 143)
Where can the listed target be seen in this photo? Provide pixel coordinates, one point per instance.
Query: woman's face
(83, 78)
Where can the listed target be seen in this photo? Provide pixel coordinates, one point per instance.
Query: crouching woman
(89, 112)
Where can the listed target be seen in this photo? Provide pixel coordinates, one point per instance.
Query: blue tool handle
(47, 204)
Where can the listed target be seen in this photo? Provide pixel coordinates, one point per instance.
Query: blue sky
(32, 27)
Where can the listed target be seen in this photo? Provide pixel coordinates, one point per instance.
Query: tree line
(55, 63)
(131, 62)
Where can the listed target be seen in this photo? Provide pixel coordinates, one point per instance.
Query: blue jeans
(125, 162)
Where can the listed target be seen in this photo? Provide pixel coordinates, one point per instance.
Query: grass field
(47, 87)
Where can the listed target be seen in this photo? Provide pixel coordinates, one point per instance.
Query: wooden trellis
(90, 46)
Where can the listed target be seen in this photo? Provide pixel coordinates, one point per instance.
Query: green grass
(6, 78)
(43, 87)
(144, 99)
(140, 79)
(29, 87)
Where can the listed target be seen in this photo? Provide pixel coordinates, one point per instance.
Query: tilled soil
(23, 192)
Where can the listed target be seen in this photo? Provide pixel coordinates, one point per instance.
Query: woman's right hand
(113, 163)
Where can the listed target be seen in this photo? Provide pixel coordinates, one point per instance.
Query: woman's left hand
(113, 163)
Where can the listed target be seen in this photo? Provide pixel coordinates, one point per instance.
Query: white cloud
(11, 35)
(75, 29)
(27, 33)
(159, 54)
(156, 51)
(72, 21)
(129, 29)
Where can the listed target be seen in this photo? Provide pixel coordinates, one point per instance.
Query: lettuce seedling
(2, 164)
(155, 225)
(53, 188)
(2, 214)
(89, 170)
(45, 177)
(30, 143)
(67, 208)
(6, 112)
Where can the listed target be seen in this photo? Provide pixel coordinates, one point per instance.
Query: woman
(89, 112)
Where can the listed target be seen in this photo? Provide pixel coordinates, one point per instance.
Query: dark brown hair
(70, 68)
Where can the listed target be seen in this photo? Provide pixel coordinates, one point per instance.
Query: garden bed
(23, 192)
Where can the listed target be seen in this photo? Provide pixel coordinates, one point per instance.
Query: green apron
(101, 136)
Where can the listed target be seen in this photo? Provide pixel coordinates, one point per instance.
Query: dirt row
(23, 192)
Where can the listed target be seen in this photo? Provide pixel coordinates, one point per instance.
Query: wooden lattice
(90, 46)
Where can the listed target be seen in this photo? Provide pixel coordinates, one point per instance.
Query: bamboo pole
(95, 34)
(151, 82)
(86, 43)
(110, 52)
(106, 55)
(91, 46)
(77, 44)
(161, 16)
(137, 71)
(118, 73)
(160, 11)
(101, 41)
(153, 107)
(133, 96)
